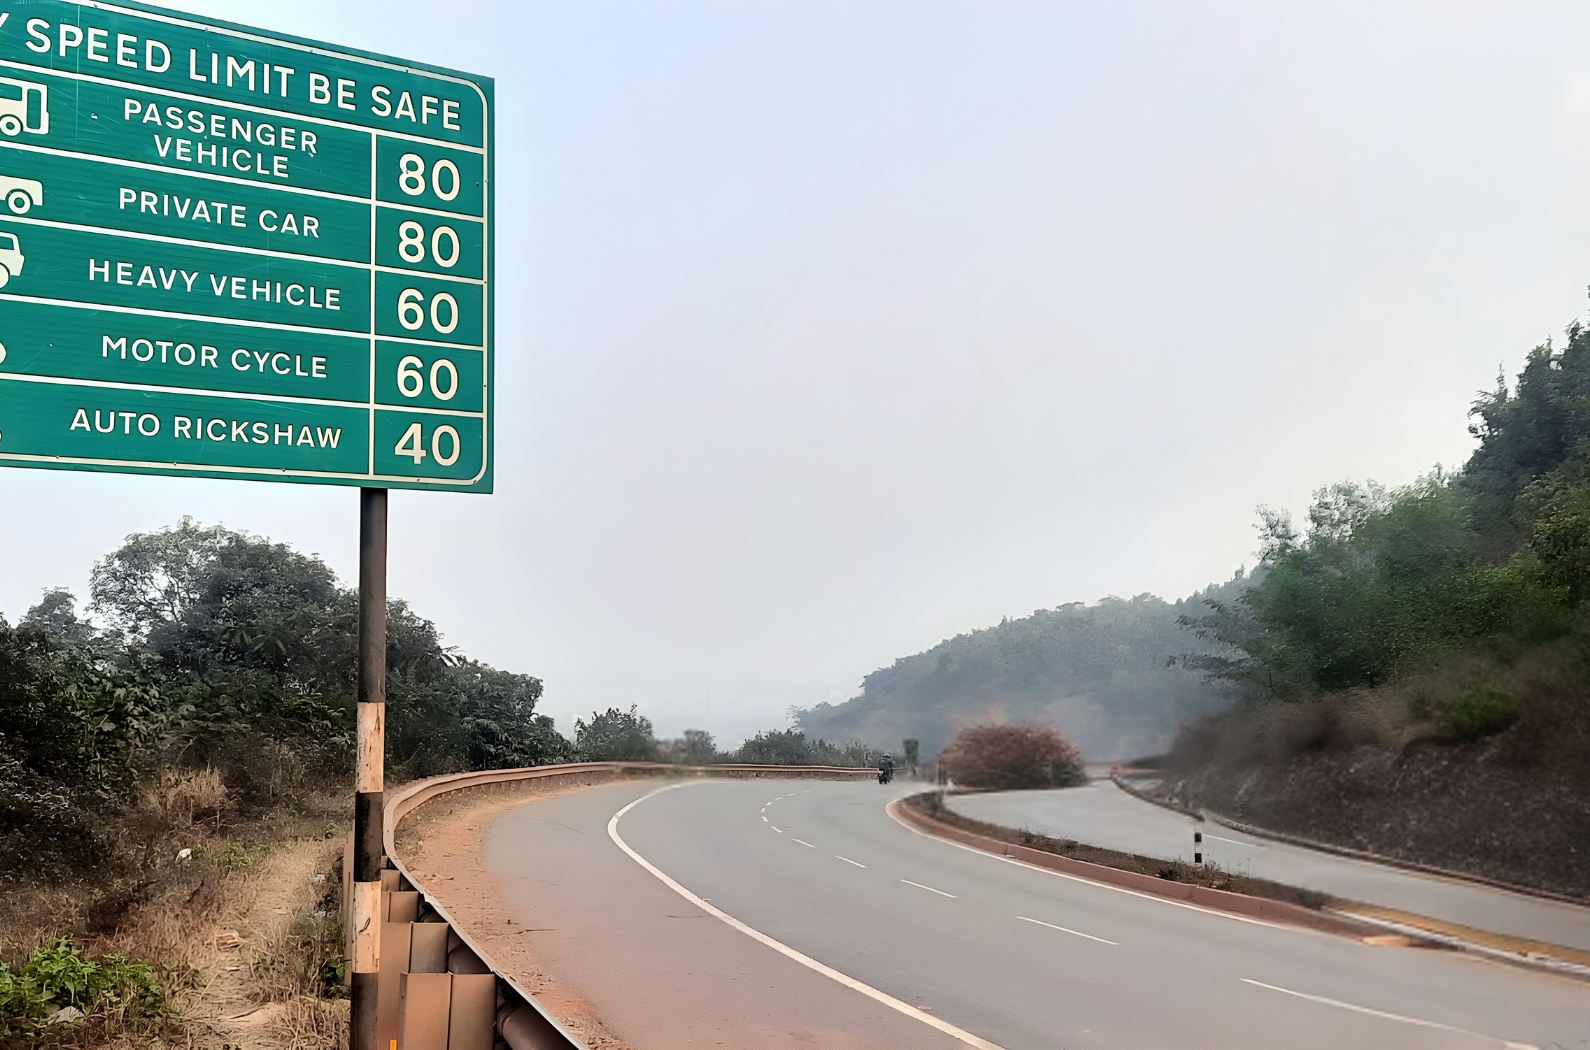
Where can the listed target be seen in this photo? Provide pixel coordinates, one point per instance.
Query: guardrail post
(366, 913)
(423, 1010)
(472, 1014)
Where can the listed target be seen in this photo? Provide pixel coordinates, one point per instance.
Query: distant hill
(1100, 672)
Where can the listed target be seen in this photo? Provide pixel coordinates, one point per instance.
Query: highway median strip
(1239, 895)
(1206, 886)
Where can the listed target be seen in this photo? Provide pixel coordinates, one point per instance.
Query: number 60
(411, 382)
(411, 312)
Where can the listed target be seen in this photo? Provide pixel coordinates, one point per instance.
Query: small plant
(233, 856)
(21, 1001)
(1479, 712)
(229, 856)
(58, 975)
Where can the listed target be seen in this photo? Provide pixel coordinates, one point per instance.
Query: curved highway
(785, 913)
(1102, 814)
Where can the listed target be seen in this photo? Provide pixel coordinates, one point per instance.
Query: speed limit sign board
(226, 252)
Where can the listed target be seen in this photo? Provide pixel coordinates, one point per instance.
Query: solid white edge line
(930, 889)
(847, 860)
(1508, 1044)
(783, 949)
(1074, 933)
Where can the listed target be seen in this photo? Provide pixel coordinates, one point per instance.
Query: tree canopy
(1382, 583)
(225, 649)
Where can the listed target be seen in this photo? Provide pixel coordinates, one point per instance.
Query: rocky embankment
(1469, 808)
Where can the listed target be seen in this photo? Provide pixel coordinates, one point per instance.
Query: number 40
(412, 444)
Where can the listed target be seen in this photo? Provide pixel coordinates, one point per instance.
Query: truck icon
(22, 108)
(21, 194)
(10, 257)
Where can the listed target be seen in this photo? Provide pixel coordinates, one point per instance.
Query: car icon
(10, 257)
(21, 194)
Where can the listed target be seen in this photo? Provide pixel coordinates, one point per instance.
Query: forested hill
(1100, 672)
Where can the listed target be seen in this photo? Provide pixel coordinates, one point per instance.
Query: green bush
(58, 975)
(1479, 712)
(21, 1001)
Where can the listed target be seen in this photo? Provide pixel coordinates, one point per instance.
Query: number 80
(411, 244)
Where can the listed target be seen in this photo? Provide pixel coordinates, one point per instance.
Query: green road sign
(231, 253)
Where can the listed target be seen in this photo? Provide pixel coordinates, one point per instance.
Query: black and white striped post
(1198, 846)
(365, 908)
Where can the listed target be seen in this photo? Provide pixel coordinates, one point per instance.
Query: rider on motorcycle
(885, 769)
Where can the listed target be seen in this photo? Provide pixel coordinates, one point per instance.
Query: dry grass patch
(181, 796)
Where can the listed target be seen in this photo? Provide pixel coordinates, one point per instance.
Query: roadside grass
(204, 913)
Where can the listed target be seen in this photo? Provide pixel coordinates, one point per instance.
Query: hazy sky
(829, 330)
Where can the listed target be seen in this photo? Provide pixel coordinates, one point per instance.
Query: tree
(790, 747)
(154, 578)
(230, 652)
(777, 747)
(615, 736)
(1379, 584)
(1525, 434)
(695, 748)
(1011, 757)
(500, 723)
(252, 638)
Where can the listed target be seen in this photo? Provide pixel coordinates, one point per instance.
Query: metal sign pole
(368, 789)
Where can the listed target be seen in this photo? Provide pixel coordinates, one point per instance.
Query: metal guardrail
(439, 989)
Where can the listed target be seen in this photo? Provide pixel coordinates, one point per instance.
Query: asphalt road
(1101, 814)
(1013, 956)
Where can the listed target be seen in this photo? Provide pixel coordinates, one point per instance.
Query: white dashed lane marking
(1062, 929)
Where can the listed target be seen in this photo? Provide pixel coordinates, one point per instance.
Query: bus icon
(22, 108)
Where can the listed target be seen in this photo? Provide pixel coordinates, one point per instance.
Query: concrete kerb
(1281, 912)
(522, 1021)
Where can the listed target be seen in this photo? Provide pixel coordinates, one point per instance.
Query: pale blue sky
(827, 330)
